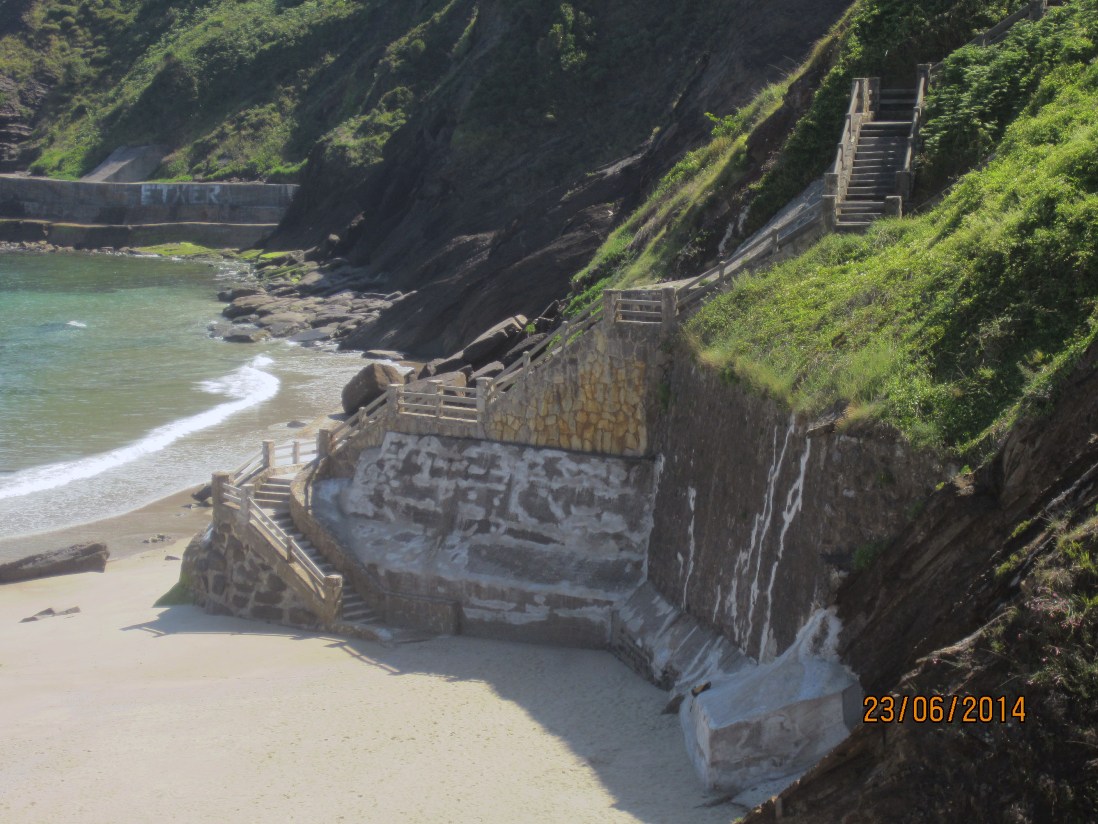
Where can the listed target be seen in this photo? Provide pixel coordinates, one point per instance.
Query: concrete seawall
(87, 214)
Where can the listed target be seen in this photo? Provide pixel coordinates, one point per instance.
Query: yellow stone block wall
(592, 398)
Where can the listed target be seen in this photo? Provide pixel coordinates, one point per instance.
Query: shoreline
(177, 516)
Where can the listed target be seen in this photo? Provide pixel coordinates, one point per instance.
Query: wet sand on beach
(176, 516)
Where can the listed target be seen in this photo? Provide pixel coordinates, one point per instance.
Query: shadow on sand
(636, 761)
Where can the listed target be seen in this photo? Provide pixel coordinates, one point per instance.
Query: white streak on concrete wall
(793, 502)
(761, 528)
(691, 496)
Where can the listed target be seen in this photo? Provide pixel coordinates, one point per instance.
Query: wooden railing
(656, 306)
(905, 175)
(864, 96)
(566, 333)
(442, 401)
(691, 293)
(272, 455)
(1034, 10)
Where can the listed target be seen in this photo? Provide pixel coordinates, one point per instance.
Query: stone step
(854, 207)
(868, 192)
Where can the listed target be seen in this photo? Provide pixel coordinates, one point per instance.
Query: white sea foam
(248, 386)
(77, 324)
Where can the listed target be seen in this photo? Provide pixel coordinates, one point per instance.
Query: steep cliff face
(481, 225)
(18, 110)
(760, 513)
(475, 152)
(990, 592)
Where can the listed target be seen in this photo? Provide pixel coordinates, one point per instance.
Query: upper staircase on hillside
(872, 173)
(879, 155)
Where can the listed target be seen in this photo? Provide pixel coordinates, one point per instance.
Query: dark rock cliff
(482, 235)
(939, 614)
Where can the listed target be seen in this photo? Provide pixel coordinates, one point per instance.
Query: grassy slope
(950, 323)
(255, 88)
(664, 238)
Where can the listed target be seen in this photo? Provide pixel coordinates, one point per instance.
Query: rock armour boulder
(91, 557)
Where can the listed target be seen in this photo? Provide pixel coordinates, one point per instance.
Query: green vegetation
(179, 250)
(661, 234)
(879, 38)
(1055, 630)
(671, 235)
(178, 596)
(316, 90)
(952, 323)
(867, 553)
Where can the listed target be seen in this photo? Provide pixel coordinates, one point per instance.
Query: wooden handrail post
(610, 305)
(828, 209)
(393, 394)
(296, 452)
(268, 454)
(484, 386)
(437, 384)
(323, 443)
(669, 306)
(246, 502)
(565, 327)
(217, 489)
(526, 363)
(333, 595)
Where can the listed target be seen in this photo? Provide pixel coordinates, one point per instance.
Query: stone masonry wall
(595, 397)
(755, 521)
(600, 396)
(227, 576)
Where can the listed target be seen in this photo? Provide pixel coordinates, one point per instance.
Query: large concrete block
(773, 721)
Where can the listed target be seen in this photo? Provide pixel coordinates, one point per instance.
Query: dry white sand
(130, 713)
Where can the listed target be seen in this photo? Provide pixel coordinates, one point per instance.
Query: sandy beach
(129, 712)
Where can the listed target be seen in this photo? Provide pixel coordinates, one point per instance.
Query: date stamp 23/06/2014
(948, 709)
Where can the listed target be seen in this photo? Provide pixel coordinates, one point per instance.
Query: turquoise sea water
(112, 394)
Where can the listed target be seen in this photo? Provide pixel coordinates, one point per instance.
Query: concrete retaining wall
(85, 214)
(755, 520)
(211, 235)
(531, 543)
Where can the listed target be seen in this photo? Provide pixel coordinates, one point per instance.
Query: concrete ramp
(533, 544)
(128, 164)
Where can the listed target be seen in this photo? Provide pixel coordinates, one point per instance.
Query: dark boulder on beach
(91, 557)
(369, 384)
(489, 345)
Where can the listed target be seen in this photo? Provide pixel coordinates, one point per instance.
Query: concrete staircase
(879, 155)
(274, 498)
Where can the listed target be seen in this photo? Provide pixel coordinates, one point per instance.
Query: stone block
(301, 617)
